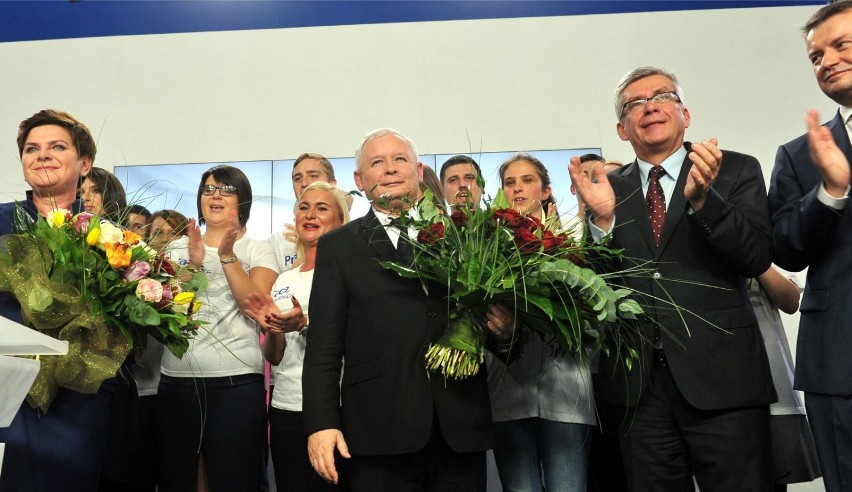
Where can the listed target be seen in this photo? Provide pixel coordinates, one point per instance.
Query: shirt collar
(672, 164)
(845, 113)
(77, 205)
(385, 219)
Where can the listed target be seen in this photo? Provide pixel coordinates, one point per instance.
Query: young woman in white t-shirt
(210, 407)
(284, 316)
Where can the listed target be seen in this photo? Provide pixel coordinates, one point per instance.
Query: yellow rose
(196, 305)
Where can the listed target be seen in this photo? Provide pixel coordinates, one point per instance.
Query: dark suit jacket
(810, 234)
(381, 325)
(713, 344)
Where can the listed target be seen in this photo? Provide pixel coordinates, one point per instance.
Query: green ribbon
(55, 307)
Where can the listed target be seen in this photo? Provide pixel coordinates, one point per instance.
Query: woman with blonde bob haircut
(284, 315)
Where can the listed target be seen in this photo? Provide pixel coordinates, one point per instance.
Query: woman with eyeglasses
(211, 413)
(542, 402)
(284, 315)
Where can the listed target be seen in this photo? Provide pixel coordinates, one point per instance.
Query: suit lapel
(841, 136)
(631, 204)
(677, 203)
(375, 235)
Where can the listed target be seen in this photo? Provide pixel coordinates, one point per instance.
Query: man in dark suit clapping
(808, 199)
(697, 402)
(402, 428)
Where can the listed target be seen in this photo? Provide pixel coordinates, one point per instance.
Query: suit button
(657, 275)
(433, 314)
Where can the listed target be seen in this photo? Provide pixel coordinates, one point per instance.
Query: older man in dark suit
(697, 404)
(405, 429)
(808, 200)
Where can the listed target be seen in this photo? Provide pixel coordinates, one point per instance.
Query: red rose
(459, 218)
(531, 223)
(526, 240)
(510, 217)
(432, 234)
(162, 264)
(576, 259)
(552, 242)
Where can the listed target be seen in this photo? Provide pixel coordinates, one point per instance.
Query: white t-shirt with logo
(228, 344)
(288, 373)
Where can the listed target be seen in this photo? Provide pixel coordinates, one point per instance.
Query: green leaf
(140, 312)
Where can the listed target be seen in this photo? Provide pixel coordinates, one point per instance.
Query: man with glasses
(695, 218)
(808, 198)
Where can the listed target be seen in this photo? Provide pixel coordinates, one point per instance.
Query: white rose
(110, 233)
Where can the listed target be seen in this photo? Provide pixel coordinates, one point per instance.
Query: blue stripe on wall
(34, 20)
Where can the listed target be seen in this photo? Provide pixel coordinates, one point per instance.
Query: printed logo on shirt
(279, 294)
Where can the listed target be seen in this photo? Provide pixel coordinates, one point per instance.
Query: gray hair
(381, 132)
(641, 73)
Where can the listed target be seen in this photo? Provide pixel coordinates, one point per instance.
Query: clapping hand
(706, 159)
(827, 157)
(595, 191)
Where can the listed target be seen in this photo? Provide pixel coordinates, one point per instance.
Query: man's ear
(358, 180)
(619, 128)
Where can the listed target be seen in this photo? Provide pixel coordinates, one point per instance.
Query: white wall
(490, 85)
(532, 83)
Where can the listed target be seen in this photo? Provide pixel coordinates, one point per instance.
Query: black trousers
(831, 422)
(665, 441)
(293, 470)
(435, 468)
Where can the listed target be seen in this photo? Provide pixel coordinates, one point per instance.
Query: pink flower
(137, 270)
(168, 295)
(81, 222)
(149, 290)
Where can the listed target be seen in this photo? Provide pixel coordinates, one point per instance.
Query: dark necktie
(403, 244)
(656, 202)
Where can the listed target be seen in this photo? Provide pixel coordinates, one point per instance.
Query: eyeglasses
(224, 190)
(661, 98)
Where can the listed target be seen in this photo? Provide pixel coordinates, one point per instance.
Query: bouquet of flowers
(82, 279)
(496, 254)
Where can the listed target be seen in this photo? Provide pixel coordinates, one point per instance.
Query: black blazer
(713, 344)
(381, 324)
(810, 234)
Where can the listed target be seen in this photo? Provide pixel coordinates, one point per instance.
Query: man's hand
(595, 191)
(321, 445)
(706, 159)
(827, 157)
(500, 322)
